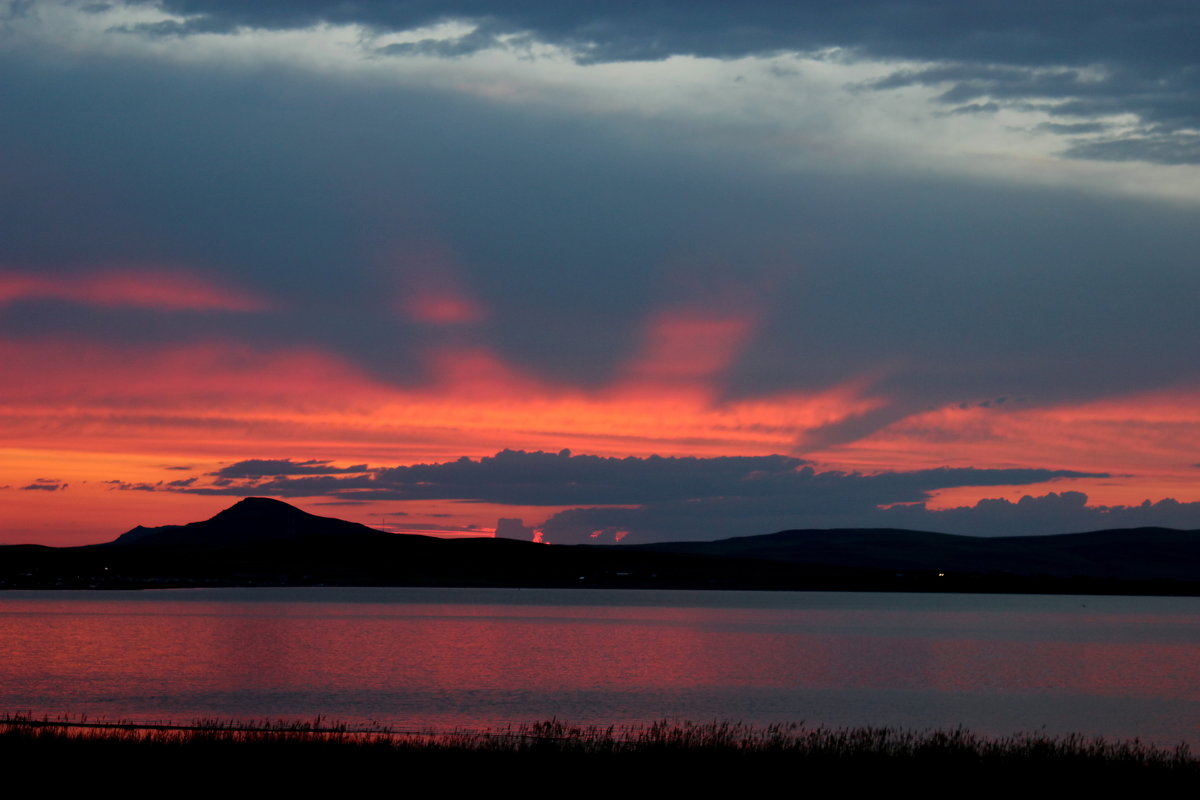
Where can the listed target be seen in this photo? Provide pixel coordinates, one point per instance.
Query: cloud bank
(663, 499)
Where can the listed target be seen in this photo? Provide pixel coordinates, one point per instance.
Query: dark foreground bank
(566, 759)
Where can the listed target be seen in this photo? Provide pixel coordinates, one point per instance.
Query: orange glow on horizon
(91, 414)
(83, 414)
(1142, 441)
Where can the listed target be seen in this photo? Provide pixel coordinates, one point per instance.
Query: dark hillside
(265, 542)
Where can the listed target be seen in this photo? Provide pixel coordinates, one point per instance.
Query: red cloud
(130, 287)
(690, 346)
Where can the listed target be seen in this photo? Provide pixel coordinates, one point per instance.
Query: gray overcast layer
(987, 48)
(300, 186)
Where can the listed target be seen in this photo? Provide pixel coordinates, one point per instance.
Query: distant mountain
(1130, 554)
(254, 520)
(264, 542)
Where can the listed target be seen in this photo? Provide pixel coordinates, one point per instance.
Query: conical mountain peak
(261, 508)
(249, 521)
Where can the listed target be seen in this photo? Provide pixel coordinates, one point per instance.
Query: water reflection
(1111, 666)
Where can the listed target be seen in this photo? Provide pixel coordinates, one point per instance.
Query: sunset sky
(600, 271)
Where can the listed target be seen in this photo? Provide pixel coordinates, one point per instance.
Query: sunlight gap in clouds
(155, 395)
(212, 401)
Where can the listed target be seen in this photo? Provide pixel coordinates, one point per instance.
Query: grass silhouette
(669, 755)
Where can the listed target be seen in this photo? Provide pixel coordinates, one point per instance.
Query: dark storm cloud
(1140, 56)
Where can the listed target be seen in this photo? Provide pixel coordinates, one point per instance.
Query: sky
(600, 271)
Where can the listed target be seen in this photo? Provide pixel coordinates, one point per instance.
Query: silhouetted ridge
(265, 542)
(249, 521)
(1130, 554)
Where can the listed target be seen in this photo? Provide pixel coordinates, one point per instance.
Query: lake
(1120, 667)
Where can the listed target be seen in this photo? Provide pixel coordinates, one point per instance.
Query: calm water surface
(999, 664)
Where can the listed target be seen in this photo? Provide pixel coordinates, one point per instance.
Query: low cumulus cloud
(1053, 513)
(433, 528)
(510, 528)
(46, 485)
(259, 468)
(141, 486)
(715, 518)
(516, 477)
(660, 499)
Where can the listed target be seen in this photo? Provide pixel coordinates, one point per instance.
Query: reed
(675, 752)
